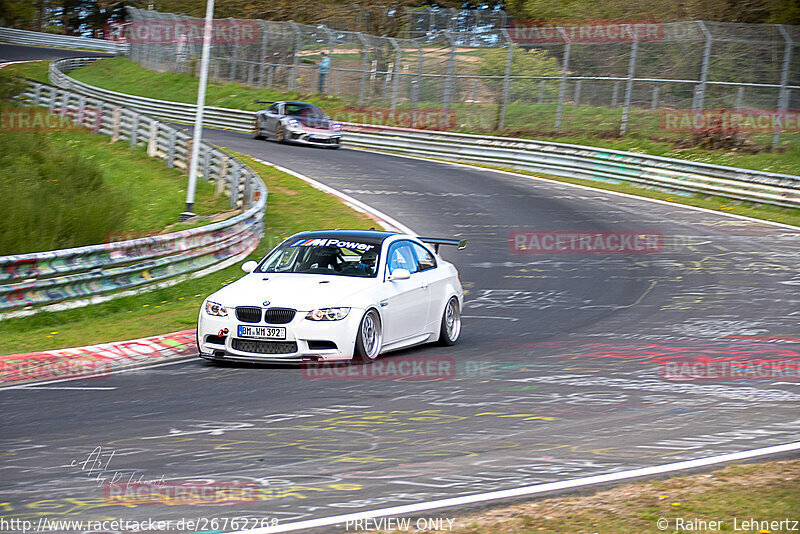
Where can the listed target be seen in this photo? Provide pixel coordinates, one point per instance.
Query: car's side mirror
(400, 274)
(249, 266)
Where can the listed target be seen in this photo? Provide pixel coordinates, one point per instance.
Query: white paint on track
(527, 490)
(388, 222)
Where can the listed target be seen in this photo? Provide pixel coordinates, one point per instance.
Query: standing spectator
(323, 66)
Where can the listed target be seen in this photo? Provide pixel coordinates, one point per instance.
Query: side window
(401, 256)
(273, 108)
(424, 257)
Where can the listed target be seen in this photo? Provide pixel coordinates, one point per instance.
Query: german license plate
(262, 332)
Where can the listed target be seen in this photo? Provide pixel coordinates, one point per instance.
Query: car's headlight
(294, 124)
(328, 314)
(216, 309)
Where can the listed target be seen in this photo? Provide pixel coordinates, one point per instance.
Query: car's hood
(303, 292)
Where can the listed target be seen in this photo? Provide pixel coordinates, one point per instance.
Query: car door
(430, 277)
(405, 303)
(271, 117)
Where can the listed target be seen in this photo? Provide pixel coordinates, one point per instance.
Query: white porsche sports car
(335, 295)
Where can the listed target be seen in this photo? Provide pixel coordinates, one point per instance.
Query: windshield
(303, 110)
(323, 256)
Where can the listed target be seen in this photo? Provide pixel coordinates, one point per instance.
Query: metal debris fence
(484, 74)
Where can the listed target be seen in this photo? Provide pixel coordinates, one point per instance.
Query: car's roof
(371, 236)
(295, 102)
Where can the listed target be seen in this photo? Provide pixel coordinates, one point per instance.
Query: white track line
(347, 199)
(587, 187)
(527, 490)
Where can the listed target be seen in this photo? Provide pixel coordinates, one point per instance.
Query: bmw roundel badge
(266, 303)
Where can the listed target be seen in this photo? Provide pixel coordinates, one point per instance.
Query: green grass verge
(35, 70)
(292, 206)
(761, 492)
(586, 125)
(129, 178)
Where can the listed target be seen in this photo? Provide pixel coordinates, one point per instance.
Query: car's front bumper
(305, 340)
(314, 138)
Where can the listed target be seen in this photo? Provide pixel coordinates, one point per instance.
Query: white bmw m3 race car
(335, 295)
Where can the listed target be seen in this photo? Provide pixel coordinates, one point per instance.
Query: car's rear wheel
(451, 323)
(256, 130)
(280, 134)
(370, 337)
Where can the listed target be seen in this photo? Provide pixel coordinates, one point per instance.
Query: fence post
(541, 91)
(501, 112)
(783, 95)
(298, 45)
(451, 67)
(331, 41)
(739, 98)
(654, 100)
(615, 95)
(563, 85)
(262, 24)
(398, 57)
(364, 60)
(418, 80)
(576, 99)
(626, 109)
(700, 91)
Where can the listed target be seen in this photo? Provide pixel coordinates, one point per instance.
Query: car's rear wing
(264, 102)
(436, 241)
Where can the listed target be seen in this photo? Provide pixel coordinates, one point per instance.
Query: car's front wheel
(256, 130)
(370, 337)
(451, 323)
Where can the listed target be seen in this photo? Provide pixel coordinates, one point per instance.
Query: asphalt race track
(560, 371)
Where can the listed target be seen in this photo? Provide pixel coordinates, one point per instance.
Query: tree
(523, 63)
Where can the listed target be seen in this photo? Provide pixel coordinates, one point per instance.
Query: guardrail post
(134, 136)
(626, 109)
(79, 117)
(223, 176)
(783, 94)
(115, 120)
(152, 140)
(171, 149)
(564, 71)
(206, 163)
(501, 108)
(700, 90)
(37, 94)
(236, 178)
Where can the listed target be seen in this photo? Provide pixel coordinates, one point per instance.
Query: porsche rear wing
(436, 241)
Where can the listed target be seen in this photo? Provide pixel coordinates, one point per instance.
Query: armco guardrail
(75, 277)
(24, 37)
(558, 159)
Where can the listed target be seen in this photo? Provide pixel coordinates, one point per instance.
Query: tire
(450, 328)
(280, 134)
(369, 338)
(256, 133)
